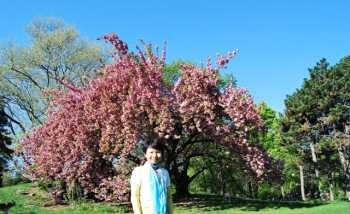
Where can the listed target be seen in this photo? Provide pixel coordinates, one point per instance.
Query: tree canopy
(55, 52)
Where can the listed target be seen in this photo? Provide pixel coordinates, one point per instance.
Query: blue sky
(278, 39)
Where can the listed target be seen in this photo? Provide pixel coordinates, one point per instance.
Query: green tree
(270, 134)
(56, 52)
(314, 115)
(5, 141)
(270, 137)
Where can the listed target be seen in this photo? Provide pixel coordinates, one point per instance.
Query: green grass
(34, 200)
(251, 207)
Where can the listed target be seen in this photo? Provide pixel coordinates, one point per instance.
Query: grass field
(30, 200)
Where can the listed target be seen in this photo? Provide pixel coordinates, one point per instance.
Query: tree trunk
(345, 166)
(182, 187)
(74, 190)
(1, 173)
(317, 172)
(331, 194)
(282, 193)
(181, 181)
(331, 185)
(347, 187)
(222, 182)
(302, 188)
(253, 189)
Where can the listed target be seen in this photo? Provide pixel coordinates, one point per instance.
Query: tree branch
(196, 174)
(16, 122)
(27, 76)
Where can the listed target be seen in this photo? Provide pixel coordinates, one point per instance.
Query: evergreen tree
(5, 141)
(316, 119)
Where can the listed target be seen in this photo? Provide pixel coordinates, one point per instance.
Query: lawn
(29, 200)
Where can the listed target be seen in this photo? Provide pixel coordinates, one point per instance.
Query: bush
(10, 179)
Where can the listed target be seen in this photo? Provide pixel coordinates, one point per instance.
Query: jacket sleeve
(135, 183)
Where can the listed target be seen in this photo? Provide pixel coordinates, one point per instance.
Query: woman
(150, 184)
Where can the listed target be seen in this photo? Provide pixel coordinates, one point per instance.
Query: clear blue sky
(278, 39)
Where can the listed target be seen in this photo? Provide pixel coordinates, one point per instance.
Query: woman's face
(153, 155)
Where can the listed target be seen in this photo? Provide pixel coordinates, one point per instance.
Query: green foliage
(270, 135)
(10, 179)
(5, 141)
(269, 192)
(270, 138)
(321, 105)
(221, 172)
(318, 114)
(226, 79)
(172, 72)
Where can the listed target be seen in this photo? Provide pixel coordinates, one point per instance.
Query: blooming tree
(92, 135)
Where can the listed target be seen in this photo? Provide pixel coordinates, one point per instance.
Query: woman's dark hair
(154, 145)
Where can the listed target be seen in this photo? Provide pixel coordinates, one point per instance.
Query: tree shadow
(213, 203)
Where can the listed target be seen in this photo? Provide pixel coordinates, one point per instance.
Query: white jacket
(141, 197)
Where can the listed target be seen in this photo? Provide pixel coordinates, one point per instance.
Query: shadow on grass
(213, 203)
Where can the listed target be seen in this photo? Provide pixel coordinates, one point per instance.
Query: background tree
(56, 52)
(5, 141)
(93, 134)
(315, 112)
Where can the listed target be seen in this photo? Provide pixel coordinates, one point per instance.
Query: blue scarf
(158, 188)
